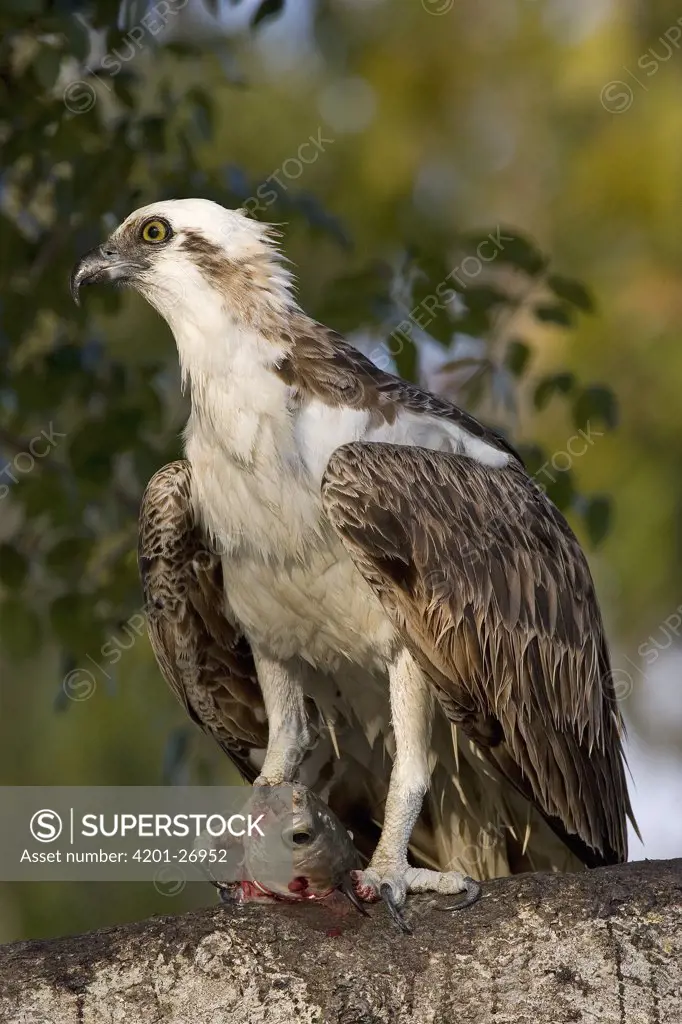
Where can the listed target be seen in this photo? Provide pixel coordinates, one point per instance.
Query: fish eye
(156, 231)
(300, 837)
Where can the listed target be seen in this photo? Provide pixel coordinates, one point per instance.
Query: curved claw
(472, 893)
(394, 910)
(228, 896)
(347, 889)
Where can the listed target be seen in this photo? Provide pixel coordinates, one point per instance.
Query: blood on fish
(299, 884)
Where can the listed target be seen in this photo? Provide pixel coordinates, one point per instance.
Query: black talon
(347, 889)
(394, 910)
(226, 895)
(472, 893)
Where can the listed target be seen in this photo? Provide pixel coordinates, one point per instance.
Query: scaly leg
(388, 875)
(288, 730)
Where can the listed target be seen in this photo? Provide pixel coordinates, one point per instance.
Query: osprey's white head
(207, 270)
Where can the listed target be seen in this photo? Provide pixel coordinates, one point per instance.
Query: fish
(304, 853)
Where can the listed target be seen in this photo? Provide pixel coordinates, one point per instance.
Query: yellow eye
(155, 231)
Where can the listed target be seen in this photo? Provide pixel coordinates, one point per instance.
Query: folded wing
(204, 658)
(493, 596)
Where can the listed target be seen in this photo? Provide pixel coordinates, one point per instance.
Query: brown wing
(492, 593)
(323, 364)
(203, 657)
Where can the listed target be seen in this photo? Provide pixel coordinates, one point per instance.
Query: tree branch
(603, 947)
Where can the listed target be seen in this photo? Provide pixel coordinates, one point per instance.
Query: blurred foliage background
(389, 138)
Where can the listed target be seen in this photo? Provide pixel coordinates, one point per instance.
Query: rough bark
(604, 946)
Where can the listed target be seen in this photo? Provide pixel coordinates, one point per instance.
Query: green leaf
(13, 566)
(268, 9)
(504, 246)
(25, 7)
(77, 38)
(430, 311)
(68, 557)
(46, 66)
(125, 89)
(517, 357)
(558, 485)
(34, 390)
(483, 298)
(45, 493)
(475, 323)
(597, 402)
(433, 269)
(598, 515)
(122, 589)
(154, 133)
(571, 290)
(560, 314)
(203, 112)
(64, 363)
(406, 360)
(441, 329)
(20, 629)
(175, 756)
(71, 618)
(121, 427)
(360, 297)
(555, 383)
(91, 452)
(534, 457)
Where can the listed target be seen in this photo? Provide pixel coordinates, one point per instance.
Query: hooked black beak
(103, 263)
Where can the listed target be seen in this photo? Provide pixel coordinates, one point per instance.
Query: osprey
(354, 584)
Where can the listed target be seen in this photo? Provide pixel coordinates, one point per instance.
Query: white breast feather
(258, 460)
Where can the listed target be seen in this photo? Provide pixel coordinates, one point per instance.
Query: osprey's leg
(389, 876)
(288, 730)
(388, 873)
